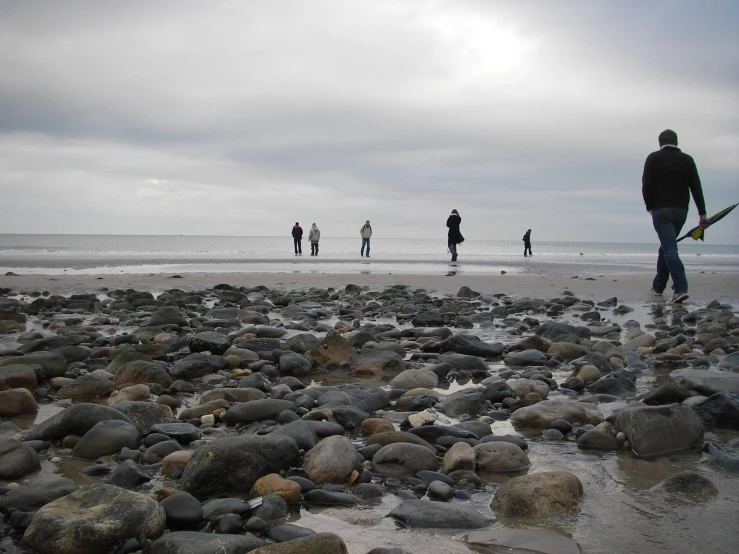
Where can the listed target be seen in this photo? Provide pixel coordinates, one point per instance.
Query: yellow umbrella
(697, 232)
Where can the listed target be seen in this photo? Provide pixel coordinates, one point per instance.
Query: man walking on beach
(366, 234)
(297, 238)
(670, 177)
(527, 243)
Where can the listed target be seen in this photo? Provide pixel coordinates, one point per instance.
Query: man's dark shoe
(679, 297)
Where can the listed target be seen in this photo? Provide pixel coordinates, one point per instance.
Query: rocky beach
(367, 414)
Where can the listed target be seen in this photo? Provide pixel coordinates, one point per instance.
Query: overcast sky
(241, 117)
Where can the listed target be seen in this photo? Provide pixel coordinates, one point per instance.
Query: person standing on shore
(366, 234)
(314, 235)
(670, 177)
(455, 236)
(297, 238)
(527, 243)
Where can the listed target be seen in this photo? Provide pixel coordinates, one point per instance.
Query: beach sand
(632, 287)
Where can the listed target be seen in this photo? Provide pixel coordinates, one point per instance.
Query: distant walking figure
(297, 238)
(366, 233)
(527, 243)
(455, 236)
(669, 178)
(314, 235)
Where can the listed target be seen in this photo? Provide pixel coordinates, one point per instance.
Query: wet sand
(593, 284)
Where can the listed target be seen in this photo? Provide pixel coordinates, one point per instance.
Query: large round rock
(331, 461)
(500, 457)
(75, 420)
(94, 518)
(231, 465)
(542, 414)
(194, 542)
(403, 459)
(257, 410)
(538, 495)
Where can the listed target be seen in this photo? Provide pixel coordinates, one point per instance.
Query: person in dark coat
(527, 243)
(297, 238)
(455, 236)
(670, 178)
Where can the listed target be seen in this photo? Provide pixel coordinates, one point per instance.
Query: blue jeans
(452, 248)
(668, 222)
(365, 242)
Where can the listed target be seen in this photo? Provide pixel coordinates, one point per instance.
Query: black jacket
(527, 238)
(453, 222)
(297, 232)
(670, 176)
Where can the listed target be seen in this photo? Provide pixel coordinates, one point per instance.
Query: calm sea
(92, 254)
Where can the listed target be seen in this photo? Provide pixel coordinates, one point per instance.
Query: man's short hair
(668, 136)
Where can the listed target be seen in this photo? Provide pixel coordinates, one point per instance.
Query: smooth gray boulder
(332, 460)
(257, 410)
(75, 420)
(105, 438)
(424, 514)
(194, 542)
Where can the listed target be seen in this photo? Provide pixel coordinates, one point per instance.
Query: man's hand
(702, 221)
(650, 212)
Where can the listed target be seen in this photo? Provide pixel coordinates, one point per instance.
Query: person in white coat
(314, 236)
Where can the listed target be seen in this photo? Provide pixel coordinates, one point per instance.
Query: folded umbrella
(697, 232)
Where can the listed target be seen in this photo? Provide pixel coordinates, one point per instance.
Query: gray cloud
(241, 117)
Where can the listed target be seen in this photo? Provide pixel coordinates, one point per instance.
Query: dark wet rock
(539, 541)
(403, 459)
(331, 461)
(500, 457)
(552, 434)
(464, 362)
(74, 420)
(368, 491)
(128, 475)
(287, 532)
(167, 315)
(392, 437)
(428, 318)
(273, 509)
(497, 391)
(208, 341)
(142, 372)
(708, 382)
(466, 401)
(472, 346)
(294, 364)
(595, 438)
(145, 415)
(17, 401)
(197, 365)
(526, 358)
(216, 508)
(184, 433)
(230, 524)
(689, 483)
(100, 515)
(320, 543)
(231, 465)
(257, 381)
(513, 439)
(301, 432)
(16, 376)
(561, 425)
(415, 378)
(31, 498)
(621, 382)
(320, 497)
(659, 430)
(183, 511)
(193, 542)
(52, 364)
(87, 387)
(257, 410)
(440, 491)
(17, 459)
(538, 495)
(431, 433)
(422, 514)
(157, 452)
(366, 397)
(373, 362)
(107, 437)
(668, 393)
(719, 410)
(125, 356)
(332, 348)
